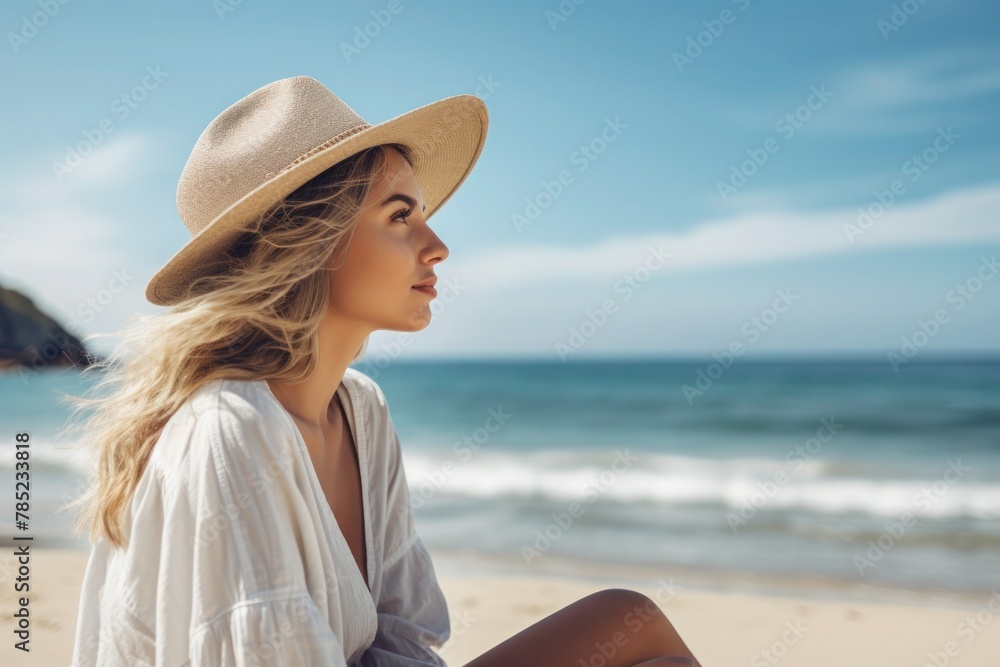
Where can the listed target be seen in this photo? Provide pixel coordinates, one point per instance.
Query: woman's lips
(427, 289)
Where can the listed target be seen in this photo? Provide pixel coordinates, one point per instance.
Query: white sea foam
(48, 456)
(817, 486)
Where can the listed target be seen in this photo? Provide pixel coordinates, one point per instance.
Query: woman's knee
(627, 611)
(636, 609)
(635, 617)
(614, 626)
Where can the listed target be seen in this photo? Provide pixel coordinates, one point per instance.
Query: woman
(250, 505)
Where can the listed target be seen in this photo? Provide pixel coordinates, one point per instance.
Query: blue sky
(739, 138)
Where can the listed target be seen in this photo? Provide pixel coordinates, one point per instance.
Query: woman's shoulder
(379, 430)
(242, 403)
(222, 419)
(368, 389)
(232, 404)
(229, 417)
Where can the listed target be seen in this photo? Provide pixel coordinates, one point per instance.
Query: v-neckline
(362, 470)
(360, 436)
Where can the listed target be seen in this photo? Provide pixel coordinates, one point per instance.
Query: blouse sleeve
(279, 630)
(412, 613)
(412, 610)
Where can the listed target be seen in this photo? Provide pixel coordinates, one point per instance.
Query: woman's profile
(249, 504)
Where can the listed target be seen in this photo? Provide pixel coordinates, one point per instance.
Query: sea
(792, 474)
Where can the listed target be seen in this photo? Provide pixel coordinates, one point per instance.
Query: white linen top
(235, 557)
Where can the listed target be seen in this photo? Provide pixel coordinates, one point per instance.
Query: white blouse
(235, 557)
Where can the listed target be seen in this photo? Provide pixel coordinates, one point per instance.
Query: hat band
(323, 146)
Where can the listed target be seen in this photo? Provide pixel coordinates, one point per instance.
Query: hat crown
(262, 148)
(258, 137)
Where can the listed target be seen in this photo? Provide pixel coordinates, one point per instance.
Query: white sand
(721, 628)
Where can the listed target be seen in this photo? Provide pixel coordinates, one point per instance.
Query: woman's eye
(402, 215)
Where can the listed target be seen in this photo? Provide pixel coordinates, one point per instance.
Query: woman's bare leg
(615, 627)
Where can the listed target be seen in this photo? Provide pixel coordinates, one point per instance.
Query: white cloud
(911, 94)
(906, 94)
(52, 225)
(958, 217)
(112, 165)
(935, 78)
(58, 246)
(827, 191)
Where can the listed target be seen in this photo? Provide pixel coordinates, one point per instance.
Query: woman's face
(392, 250)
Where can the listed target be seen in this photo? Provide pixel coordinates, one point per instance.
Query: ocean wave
(735, 484)
(49, 457)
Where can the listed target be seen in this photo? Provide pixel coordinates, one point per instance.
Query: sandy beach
(488, 605)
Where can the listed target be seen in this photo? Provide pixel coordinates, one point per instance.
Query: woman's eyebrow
(399, 196)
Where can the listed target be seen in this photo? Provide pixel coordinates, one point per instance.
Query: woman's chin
(417, 321)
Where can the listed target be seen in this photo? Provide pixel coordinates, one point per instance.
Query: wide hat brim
(445, 138)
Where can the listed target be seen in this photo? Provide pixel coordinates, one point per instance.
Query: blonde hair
(256, 317)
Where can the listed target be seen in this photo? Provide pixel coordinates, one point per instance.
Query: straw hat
(263, 147)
